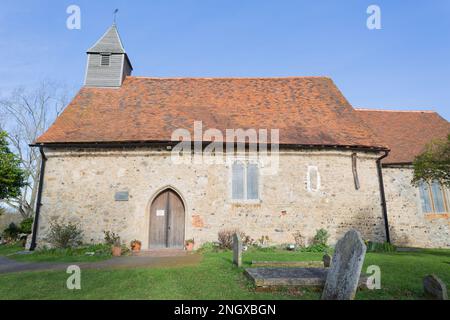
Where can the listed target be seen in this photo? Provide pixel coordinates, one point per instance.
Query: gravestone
(237, 250)
(434, 288)
(326, 260)
(343, 275)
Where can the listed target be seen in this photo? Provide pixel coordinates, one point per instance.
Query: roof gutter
(165, 143)
(383, 195)
(397, 164)
(39, 199)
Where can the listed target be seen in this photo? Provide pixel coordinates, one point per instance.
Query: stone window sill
(246, 202)
(435, 216)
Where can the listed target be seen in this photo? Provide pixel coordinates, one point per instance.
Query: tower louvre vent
(105, 61)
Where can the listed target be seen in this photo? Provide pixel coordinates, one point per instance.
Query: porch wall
(409, 226)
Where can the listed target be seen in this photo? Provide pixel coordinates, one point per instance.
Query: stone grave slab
(296, 277)
(298, 264)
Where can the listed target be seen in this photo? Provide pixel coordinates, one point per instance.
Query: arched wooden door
(167, 221)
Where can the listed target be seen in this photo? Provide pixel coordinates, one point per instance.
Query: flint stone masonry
(434, 288)
(80, 185)
(237, 250)
(344, 273)
(409, 226)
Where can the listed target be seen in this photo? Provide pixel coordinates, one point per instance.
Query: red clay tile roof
(405, 132)
(307, 110)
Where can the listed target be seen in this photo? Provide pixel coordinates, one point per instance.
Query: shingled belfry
(108, 63)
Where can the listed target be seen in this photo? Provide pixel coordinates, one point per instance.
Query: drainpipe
(383, 195)
(38, 200)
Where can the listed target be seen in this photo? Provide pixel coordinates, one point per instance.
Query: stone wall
(80, 186)
(9, 217)
(409, 226)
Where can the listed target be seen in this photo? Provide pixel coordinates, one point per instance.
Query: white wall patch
(313, 179)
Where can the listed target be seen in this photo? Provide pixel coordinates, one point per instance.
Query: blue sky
(405, 65)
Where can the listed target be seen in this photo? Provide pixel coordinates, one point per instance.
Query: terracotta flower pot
(116, 251)
(136, 247)
(189, 246)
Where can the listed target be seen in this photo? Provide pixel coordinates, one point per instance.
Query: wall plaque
(121, 196)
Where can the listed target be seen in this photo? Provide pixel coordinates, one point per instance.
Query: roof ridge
(387, 110)
(228, 78)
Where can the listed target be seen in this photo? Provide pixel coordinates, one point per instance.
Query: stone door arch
(167, 219)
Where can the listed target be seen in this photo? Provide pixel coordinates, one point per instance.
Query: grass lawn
(102, 252)
(216, 278)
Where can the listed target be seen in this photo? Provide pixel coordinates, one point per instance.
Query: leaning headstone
(434, 288)
(326, 260)
(343, 275)
(237, 250)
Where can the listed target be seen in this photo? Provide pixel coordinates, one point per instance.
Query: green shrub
(97, 249)
(319, 243)
(12, 232)
(263, 241)
(64, 236)
(111, 238)
(208, 247)
(26, 225)
(317, 248)
(380, 247)
(299, 239)
(321, 237)
(268, 248)
(124, 250)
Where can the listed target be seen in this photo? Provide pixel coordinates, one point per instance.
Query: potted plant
(117, 248)
(112, 239)
(136, 245)
(190, 244)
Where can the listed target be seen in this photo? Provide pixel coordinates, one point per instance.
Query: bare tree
(25, 115)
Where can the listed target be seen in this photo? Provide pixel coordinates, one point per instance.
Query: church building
(110, 161)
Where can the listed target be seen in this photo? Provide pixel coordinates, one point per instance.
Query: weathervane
(115, 15)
